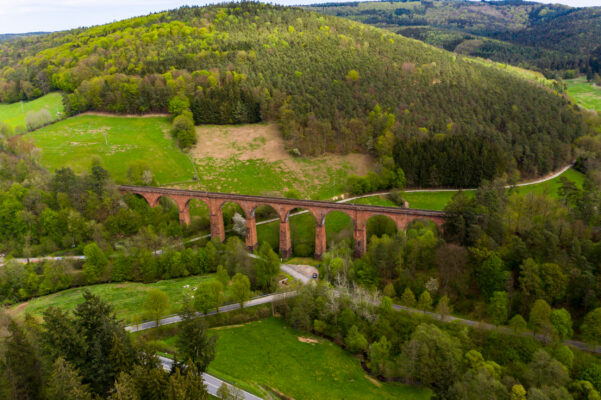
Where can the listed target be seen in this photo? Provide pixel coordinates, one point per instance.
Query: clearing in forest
(118, 142)
(252, 159)
(14, 114)
(585, 93)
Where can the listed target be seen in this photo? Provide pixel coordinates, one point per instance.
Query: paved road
(173, 319)
(289, 269)
(541, 180)
(213, 383)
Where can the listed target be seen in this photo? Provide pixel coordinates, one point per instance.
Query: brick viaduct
(358, 213)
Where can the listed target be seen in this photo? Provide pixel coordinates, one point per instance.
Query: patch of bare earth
(264, 142)
(15, 311)
(307, 340)
(229, 326)
(374, 381)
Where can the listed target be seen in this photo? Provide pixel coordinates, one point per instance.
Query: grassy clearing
(74, 141)
(252, 159)
(14, 114)
(269, 354)
(125, 298)
(584, 93)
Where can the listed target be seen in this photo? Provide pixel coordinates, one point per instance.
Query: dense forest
(546, 37)
(334, 86)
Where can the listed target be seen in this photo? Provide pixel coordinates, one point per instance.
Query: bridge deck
(280, 200)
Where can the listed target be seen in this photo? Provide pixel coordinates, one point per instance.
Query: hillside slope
(334, 86)
(545, 36)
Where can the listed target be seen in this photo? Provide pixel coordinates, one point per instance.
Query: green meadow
(117, 141)
(584, 93)
(270, 355)
(126, 298)
(14, 114)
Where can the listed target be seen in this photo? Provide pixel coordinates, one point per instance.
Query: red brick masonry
(359, 214)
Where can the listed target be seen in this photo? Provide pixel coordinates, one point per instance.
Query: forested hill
(333, 85)
(546, 36)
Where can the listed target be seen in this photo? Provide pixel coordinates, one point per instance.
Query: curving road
(213, 383)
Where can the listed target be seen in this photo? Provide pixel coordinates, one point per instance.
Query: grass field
(125, 298)
(118, 141)
(14, 114)
(252, 159)
(269, 354)
(584, 93)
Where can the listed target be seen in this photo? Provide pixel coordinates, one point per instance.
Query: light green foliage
(207, 296)
(540, 317)
(156, 304)
(561, 320)
(591, 326)
(443, 307)
(564, 355)
(518, 324)
(74, 141)
(354, 341)
(498, 308)
(379, 361)
(240, 288)
(96, 262)
(266, 267)
(184, 131)
(425, 301)
(222, 276)
(408, 298)
(543, 370)
(420, 363)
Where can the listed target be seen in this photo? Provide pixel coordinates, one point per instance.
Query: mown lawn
(269, 354)
(14, 114)
(118, 141)
(125, 298)
(584, 93)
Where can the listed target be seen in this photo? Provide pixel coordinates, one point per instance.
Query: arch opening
(339, 229)
(380, 225)
(268, 225)
(234, 219)
(200, 219)
(302, 232)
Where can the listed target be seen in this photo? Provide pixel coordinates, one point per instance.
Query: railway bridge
(359, 214)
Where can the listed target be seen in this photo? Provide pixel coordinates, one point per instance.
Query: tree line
(376, 90)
